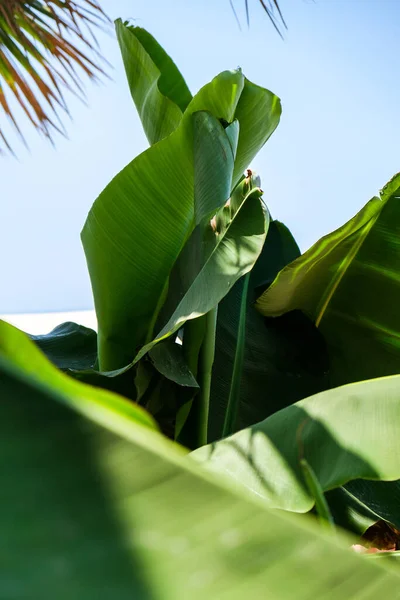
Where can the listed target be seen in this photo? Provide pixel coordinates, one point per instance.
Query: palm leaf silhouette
(43, 45)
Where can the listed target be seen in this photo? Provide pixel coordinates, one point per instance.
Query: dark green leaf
(69, 346)
(381, 497)
(285, 358)
(168, 359)
(348, 512)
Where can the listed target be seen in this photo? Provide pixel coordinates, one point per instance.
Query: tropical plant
(96, 504)
(222, 337)
(42, 44)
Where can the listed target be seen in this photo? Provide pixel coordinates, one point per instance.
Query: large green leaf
(158, 89)
(137, 227)
(348, 283)
(347, 433)
(94, 402)
(139, 224)
(92, 514)
(285, 358)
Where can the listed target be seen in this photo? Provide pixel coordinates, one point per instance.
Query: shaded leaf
(285, 358)
(381, 497)
(97, 403)
(169, 360)
(348, 512)
(69, 346)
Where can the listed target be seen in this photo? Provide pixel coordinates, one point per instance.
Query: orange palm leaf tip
(43, 45)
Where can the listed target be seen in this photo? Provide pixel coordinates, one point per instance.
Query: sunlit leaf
(140, 223)
(158, 89)
(346, 433)
(348, 283)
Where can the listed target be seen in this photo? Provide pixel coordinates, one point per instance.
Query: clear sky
(338, 142)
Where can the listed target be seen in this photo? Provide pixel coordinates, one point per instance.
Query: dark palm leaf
(273, 11)
(39, 57)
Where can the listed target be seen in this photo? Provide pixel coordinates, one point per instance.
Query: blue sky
(337, 75)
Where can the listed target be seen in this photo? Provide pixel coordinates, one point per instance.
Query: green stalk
(234, 393)
(188, 417)
(207, 354)
(193, 337)
(321, 505)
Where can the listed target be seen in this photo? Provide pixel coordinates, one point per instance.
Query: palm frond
(273, 11)
(43, 45)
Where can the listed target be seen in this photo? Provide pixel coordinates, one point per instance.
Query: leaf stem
(314, 488)
(234, 393)
(207, 354)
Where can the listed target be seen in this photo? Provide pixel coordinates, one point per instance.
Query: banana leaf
(158, 89)
(138, 226)
(223, 260)
(345, 434)
(94, 510)
(348, 283)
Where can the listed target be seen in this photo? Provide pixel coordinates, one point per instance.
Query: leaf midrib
(337, 279)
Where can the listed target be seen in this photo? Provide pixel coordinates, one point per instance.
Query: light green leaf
(345, 434)
(91, 514)
(158, 89)
(226, 257)
(348, 283)
(258, 112)
(94, 402)
(213, 160)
